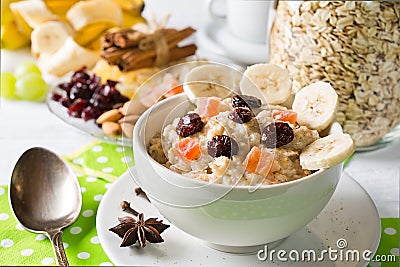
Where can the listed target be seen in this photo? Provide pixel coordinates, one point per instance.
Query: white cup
(249, 20)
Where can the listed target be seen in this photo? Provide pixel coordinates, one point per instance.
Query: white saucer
(217, 38)
(350, 214)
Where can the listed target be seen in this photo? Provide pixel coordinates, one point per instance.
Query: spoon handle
(56, 240)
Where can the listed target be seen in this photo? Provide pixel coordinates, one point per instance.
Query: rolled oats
(354, 45)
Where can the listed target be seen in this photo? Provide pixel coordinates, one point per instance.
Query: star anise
(132, 230)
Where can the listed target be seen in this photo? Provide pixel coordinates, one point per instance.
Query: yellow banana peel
(11, 38)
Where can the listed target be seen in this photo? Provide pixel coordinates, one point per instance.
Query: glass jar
(355, 46)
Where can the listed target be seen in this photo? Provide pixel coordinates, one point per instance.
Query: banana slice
(88, 12)
(30, 14)
(48, 37)
(268, 82)
(71, 56)
(211, 80)
(316, 105)
(327, 152)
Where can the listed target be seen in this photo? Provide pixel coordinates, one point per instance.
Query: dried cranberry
(80, 75)
(277, 134)
(90, 113)
(94, 82)
(189, 124)
(56, 97)
(245, 101)
(80, 92)
(97, 97)
(222, 145)
(65, 86)
(75, 110)
(65, 101)
(241, 115)
(112, 83)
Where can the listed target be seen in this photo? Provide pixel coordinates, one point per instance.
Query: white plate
(217, 38)
(350, 214)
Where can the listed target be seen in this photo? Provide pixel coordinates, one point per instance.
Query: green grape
(26, 68)
(31, 87)
(7, 89)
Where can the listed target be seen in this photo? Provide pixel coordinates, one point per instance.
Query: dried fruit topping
(222, 145)
(277, 134)
(140, 230)
(208, 106)
(189, 148)
(189, 124)
(85, 88)
(259, 161)
(241, 115)
(284, 115)
(245, 101)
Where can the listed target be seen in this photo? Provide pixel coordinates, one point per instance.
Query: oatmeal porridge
(235, 141)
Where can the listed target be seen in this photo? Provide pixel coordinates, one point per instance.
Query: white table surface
(26, 124)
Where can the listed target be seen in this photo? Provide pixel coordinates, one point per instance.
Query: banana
(327, 152)
(11, 38)
(131, 18)
(30, 14)
(131, 5)
(6, 14)
(91, 33)
(211, 80)
(316, 105)
(88, 12)
(49, 36)
(268, 82)
(71, 56)
(60, 7)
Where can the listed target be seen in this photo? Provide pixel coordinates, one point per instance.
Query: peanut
(127, 129)
(112, 115)
(129, 119)
(112, 128)
(132, 107)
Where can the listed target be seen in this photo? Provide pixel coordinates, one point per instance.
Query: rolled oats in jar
(354, 45)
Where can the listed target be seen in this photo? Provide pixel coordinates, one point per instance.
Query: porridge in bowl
(243, 140)
(189, 165)
(235, 143)
(237, 140)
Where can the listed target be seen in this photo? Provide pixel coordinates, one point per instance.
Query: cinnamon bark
(175, 53)
(126, 49)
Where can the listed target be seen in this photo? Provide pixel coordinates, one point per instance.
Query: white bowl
(231, 219)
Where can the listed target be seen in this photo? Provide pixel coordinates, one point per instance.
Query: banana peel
(131, 5)
(60, 7)
(92, 33)
(11, 37)
(6, 13)
(130, 18)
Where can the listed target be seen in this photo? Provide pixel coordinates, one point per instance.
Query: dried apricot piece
(208, 107)
(189, 149)
(259, 161)
(284, 115)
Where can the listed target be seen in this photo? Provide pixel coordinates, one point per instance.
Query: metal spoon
(45, 196)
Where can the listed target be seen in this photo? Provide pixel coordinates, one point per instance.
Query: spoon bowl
(45, 196)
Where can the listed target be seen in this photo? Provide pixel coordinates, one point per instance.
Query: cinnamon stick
(137, 55)
(175, 53)
(124, 48)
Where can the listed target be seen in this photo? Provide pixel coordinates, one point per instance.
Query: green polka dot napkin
(97, 165)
